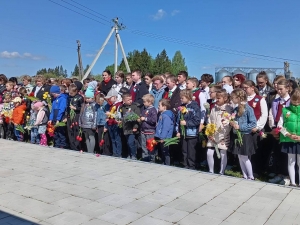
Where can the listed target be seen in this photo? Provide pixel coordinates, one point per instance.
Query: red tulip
(101, 142)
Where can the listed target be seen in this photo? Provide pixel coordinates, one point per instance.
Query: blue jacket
(247, 121)
(165, 125)
(101, 110)
(158, 95)
(192, 118)
(59, 106)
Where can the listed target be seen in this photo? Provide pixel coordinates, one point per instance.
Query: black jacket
(105, 87)
(128, 126)
(141, 90)
(44, 88)
(175, 101)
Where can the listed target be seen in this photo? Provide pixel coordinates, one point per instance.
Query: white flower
(206, 105)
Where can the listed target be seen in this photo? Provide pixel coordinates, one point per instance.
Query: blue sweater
(59, 106)
(101, 110)
(165, 125)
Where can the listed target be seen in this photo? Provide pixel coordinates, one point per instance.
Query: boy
(18, 117)
(130, 128)
(10, 88)
(6, 114)
(164, 128)
(59, 105)
(112, 123)
(148, 119)
(74, 106)
(191, 121)
(192, 85)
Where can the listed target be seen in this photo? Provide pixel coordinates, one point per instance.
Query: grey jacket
(88, 116)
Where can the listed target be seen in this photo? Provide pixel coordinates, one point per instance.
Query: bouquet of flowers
(32, 98)
(182, 111)
(226, 118)
(151, 143)
(79, 136)
(48, 100)
(210, 131)
(130, 117)
(20, 128)
(262, 134)
(51, 128)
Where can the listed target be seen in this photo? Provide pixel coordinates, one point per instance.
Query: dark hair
(3, 78)
(138, 72)
(120, 74)
(150, 75)
(194, 80)
(183, 73)
(14, 79)
(166, 103)
(22, 91)
(172, 78)
(73, 88)
(264, 75)
(126, 95)
(107, 71)
(208, 78)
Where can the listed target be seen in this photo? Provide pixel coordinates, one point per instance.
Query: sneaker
(272, 175)
(275, 180)
(286, 181)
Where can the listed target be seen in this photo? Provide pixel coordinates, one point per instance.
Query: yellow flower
(211, 129)
(183, 110)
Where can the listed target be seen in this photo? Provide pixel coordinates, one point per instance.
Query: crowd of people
(254, 124)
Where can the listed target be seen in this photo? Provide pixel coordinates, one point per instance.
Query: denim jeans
(35, 137)
(60, 137)
(115, 135)
(132, 145)
(18, 134)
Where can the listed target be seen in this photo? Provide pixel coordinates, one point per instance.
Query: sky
(39, 34)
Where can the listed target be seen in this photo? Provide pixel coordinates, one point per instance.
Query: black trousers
(189, 152)
(105, 149)
(73, 133)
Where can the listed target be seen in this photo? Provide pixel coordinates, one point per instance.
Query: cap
(112, 93)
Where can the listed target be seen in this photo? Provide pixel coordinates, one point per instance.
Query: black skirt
(247, 148)
(290, 147)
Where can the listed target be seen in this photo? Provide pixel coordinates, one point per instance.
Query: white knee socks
(246, 166)
(210, 160)
(291, 167)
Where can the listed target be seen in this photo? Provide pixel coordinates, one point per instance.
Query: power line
(194, 44)
(77, 12)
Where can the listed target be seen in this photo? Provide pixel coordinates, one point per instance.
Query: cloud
(90, 55)
(159, 14)
(174, 12)
(15, 55)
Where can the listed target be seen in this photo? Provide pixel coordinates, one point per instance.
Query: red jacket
(18, 114)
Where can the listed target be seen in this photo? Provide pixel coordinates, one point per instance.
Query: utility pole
(115, 29)
(79, 61)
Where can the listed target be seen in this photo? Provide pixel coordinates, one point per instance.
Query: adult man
(181, 78)
(107, 82)
(173, 93)
(139, 89)
(227, 82)
(158, 90)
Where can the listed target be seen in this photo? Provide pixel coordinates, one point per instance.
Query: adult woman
(148, 81)
(107, 82)
(41, 87)
(264, 87)
(3, 81)
(238, 80)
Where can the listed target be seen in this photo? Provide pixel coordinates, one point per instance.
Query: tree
(75, 73)
(110, 68)
(86, 69)
(162, 63)
(178, 63)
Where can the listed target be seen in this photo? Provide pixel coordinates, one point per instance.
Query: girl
(191, 121)
(290, 134)
(264, 86)
(119, 78)
(238, 80)
(275, 118)
(75, 103)
(88, 117)
(103, 137)
(244, 122)
(212, 94)
(148, 80)
(27, 102)
(34, 135)
(222, 136)
(260, 108)
(18, 117)
(41, 121)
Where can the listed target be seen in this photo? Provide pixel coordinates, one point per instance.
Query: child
(2, 131)
(112, 122)
(130, 128)
(221, 138)
(10, 88)
(148, 120)
(290, 134)
(59, 105)
(75, 103)
(275, 118)
(41, 121)
(164, 128)
(244, 122)
(192, 85)
(34, 135)
(88, 117)
(191, 121)
(103, 137)
(260, 108)
(6, 114)
(213, 95)
(18, 117)
(27, 102)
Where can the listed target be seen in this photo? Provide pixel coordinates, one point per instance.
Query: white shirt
(182, 86)
(261, 122)
(271, 116)
(203, 97)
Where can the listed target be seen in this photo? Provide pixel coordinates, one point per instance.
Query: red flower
(151, 144)
(277, 130)
(101, 142)
(31, 94)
